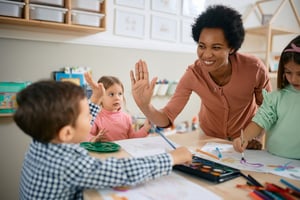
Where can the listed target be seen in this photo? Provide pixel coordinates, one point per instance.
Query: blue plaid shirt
(64, 171)
(94, 110)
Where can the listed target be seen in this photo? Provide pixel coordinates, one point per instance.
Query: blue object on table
(288, 184)
(219, 153)
(159, 131)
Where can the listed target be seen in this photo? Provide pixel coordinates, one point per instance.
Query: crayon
(206, 153)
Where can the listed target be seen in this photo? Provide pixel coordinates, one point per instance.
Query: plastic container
(88, 5)
(172, 88)
(48, 2)
(86, 18)
(163, 88)
(47, 13)
(11, 8)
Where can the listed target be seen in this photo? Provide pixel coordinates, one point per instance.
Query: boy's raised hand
(97, 88)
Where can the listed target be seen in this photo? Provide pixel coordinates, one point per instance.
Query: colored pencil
(206, 153)
(165, 138)
(288, 184)
(254, 196)
(254, 181)
(242, 138)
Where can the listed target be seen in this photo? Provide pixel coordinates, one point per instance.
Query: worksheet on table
(139, 147)
(172, 187)
(257, 160)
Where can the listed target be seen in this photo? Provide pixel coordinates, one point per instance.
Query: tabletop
(196, 139)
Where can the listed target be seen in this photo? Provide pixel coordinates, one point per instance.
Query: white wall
(32, 54)
(32, 60)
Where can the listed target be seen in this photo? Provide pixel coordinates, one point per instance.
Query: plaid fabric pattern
(64, 171)
(94, 110)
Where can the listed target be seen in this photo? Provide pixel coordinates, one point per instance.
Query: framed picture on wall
(163, 28)
(129, 24)
(192, 8)
(168, 6)
(131, 3)
(186, 32)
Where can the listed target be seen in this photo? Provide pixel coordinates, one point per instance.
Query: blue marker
(159, 131)
(219, 153)
(293, 187)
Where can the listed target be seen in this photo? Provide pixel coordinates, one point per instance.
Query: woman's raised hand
(141, 88)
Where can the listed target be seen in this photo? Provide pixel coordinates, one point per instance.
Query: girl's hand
(100, 137)
(142, 89)
(254, 144)
(239, 145)
(147, 125)
(97, 88)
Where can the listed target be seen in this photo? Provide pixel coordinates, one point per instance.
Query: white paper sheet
(270, 163)
(173, 187)
(139, 147)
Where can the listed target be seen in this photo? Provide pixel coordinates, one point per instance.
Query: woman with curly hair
(228, 83)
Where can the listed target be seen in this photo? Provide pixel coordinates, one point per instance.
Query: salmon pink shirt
(118, 124)
(224, 110)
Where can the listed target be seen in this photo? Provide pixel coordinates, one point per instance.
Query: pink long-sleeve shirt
(118, 124)
(224, 110)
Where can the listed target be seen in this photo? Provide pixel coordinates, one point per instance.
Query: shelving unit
(25, 20)
(268, 30)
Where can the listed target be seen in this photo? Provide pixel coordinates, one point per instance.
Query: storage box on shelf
(86, 18)
(11, 8)
(89, 15)
(47, 13)
(87, 5)
(59, 3)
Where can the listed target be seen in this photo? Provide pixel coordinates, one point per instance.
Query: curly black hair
(225, 18)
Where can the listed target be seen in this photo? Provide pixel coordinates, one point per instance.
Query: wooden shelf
(263, 30)
(269, 29)
(66, 25)
(6, 115)
(51, 25)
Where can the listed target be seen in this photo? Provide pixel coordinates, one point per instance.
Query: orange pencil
(254, 196)
(208, 154)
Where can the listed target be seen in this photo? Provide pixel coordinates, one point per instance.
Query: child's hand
(254, 144)
(97, 88)
(147, 125)
(239, 145)
(181, 155)
(100, 137)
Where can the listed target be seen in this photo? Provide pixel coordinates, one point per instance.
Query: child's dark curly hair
(225, 18)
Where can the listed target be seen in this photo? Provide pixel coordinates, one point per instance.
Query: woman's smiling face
(213, 50)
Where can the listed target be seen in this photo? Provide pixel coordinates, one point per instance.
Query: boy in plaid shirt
(56, 115)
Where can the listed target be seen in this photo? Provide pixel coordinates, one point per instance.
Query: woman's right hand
(142, 89)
